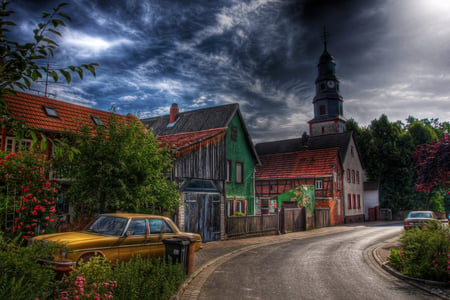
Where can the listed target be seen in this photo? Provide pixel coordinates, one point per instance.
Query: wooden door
(202, 215)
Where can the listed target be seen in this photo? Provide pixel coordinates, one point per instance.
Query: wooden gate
(293, 219)
(202, 215)
(322, 217)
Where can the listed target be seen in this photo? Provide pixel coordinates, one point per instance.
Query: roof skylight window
(50, 111)
(97, 121)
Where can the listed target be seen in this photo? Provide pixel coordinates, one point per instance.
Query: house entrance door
(202, 215)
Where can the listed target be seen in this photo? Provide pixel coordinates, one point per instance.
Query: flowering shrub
(34, 197)
(425, 253)
(82, 290)
(90, 280)
(139, 278)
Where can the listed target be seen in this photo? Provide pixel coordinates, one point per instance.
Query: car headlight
(63, 252)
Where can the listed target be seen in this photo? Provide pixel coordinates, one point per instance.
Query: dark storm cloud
(261, 54)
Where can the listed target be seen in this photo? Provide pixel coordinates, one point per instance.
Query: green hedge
(425, 253)
(21, 277)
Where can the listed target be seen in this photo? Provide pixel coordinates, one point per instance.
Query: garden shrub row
(21, 277)
(424, 253)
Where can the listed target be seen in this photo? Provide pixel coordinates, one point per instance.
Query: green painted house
(241, 161)
(214, 167)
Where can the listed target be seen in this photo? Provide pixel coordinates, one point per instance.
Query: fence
(322, 217)
(251, 225)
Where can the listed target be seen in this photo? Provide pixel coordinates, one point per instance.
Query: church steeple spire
(328, 102)
(324, 36)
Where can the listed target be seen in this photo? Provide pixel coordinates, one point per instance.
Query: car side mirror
(128, 233)
(163, 229)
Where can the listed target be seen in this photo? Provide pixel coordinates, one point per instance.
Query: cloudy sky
(392, 56)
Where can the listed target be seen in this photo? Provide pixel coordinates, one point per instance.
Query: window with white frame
(239, 172)
(240, 206)
(12, 145)
(25, 145)
(9, 147)
(319, 184)
(228, 170)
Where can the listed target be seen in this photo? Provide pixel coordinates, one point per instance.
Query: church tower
(328, 102)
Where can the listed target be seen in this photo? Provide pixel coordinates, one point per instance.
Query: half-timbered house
(214, 167)
(281, 172)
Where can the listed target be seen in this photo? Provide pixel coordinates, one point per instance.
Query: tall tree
(19, 62)
(120, 166)
(433, 166)
(386, 154)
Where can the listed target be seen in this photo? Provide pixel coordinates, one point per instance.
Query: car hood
(72, 238)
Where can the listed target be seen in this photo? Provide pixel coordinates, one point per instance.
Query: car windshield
(419, 215)
(108, 225)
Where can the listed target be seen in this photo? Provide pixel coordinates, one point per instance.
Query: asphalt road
(323, 267)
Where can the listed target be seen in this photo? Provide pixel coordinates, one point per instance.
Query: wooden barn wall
(205, 162)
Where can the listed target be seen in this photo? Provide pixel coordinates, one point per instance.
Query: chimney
(173, 113)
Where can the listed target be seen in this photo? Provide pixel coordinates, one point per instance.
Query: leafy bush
(395, 259)
(90, 280)
(136, 279)
(21, 276)
(238, 214)
(147, 279)
(425, 253)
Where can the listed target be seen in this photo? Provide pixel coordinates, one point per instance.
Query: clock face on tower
(330, 84)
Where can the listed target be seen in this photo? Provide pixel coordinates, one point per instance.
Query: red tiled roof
(306, 163)
(30, 109)
(184, 140)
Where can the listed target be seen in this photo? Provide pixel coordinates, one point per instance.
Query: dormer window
(50, 111)
(97, 121)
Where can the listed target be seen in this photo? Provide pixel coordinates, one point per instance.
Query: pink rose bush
(30, 196)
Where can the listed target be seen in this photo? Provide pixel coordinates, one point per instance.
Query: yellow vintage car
(116, 237)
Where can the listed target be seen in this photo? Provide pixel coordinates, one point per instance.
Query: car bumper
(59, 266)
